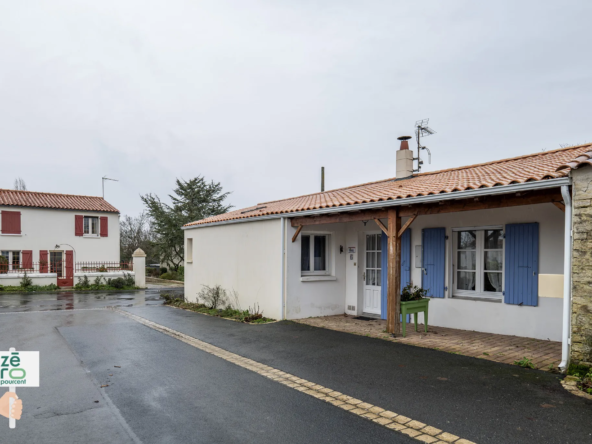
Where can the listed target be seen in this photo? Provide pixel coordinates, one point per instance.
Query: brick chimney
(404, 159)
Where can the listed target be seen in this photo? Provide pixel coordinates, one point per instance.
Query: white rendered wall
(322, 298)
(245, 257)
(42, 229)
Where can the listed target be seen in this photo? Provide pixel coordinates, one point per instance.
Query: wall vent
(351, 307)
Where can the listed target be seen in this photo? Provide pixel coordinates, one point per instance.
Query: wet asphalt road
(164, 390)
(156, 388)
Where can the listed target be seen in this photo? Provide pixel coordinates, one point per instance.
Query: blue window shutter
(383, 274)
(522, 264)
(433, 241)
(405, 268)
(405, 258)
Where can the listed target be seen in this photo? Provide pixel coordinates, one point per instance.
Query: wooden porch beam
(442, 207)
(298, 230)
(409, 222)
(381, 225)
(393, 310)
(340, 217)
(560, 205)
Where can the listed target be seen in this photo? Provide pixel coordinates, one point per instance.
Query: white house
(491, 242)
(51, 234)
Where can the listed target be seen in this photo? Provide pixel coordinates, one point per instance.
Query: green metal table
(415, 307)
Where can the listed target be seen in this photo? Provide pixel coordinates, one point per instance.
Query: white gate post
(139, 259)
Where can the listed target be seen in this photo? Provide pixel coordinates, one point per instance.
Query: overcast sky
(258, 95)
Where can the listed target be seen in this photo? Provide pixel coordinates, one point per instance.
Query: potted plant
(414, 301)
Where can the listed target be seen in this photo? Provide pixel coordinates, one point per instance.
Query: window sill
(91, 236)
(317, 278)
(10, 234)
(478, 298)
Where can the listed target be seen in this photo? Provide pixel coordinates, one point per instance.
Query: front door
(372, 273)
(63, 268)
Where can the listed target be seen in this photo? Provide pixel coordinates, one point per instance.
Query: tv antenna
(104, 178)
(422, 130)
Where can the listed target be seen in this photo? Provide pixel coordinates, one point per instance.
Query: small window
(91, 226)
(479, 262)
(314, 257)
(189, 252)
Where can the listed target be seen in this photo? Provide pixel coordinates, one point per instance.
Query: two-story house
(48, 232)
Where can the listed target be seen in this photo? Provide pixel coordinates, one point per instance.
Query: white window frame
(378, 265)
(328, 258)
(480, 266)
(10, 257)
(97, 234)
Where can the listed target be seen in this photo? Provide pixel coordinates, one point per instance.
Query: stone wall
(581, 319)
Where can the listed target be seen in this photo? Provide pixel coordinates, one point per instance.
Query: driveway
(169, 388)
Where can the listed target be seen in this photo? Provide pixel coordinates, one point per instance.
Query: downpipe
(567, 249)
(283, 274)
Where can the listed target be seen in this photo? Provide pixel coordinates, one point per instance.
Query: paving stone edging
(570, 384)
(386, 418)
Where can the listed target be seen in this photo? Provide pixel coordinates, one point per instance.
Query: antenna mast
(422, 129)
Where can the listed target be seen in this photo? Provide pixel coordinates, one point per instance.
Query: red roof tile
(532, 167)
(52, 200)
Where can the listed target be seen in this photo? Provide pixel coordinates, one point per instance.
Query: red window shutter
(104, 227)
(43, 261)
(27, 259)
(79, 225)
(11, 222)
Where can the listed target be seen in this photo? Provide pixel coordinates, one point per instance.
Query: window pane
(378, 277)
(493, 240)
(95, 225)
(86, 225)
(320, 246)
(305, 253)
(368, 242)
(493, 260)
(467, 240)
(370, 259)
(466, 280)
(467, 260)
(493, 282)
(16, 260)
(372, 275)
(379, 260)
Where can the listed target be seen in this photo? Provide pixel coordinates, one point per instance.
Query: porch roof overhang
(535, 192)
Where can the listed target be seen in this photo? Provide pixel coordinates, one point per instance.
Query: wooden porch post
(393, 316)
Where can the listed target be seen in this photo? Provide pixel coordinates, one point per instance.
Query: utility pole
(322, 179)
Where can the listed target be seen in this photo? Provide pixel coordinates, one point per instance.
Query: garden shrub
(26, 281)
(213, 297)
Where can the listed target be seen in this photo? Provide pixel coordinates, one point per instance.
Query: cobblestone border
(570, 384)
(391, 420)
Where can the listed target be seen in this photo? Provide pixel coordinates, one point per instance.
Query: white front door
(372, 273)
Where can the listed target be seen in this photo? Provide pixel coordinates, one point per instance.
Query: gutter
(492, 191)
(567, 249)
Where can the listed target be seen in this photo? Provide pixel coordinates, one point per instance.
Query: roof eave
(491, 191)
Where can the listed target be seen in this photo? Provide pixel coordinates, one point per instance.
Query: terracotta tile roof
(532, 167)
(584, 158)
(52, 200)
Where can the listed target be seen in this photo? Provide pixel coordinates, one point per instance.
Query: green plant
(118, 283)
(130, 281)
(97, 281)
(26, 281)
(102, 269)
(525, 363)
(83, 283)
(412, 293)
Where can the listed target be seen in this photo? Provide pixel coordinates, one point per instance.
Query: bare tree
(136, 232)
(19, 184)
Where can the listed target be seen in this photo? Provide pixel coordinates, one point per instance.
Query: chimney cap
(404, 138)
